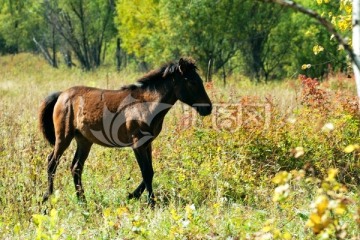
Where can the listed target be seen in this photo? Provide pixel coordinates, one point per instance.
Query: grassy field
(214, 176)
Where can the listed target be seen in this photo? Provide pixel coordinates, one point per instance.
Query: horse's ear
(186, 64)
(166, 72)
(169, 70)
(182, 61)
(181, 65)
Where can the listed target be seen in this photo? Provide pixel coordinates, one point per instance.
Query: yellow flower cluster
(342, 21)
(328, 207)
(317, 49)
(322, 1)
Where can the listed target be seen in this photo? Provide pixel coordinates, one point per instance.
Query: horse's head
(189, 87)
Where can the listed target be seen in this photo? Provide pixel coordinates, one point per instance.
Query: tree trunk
(68, 59)
(256, 45)
(54, 60)
(118, 54)
(209, 71)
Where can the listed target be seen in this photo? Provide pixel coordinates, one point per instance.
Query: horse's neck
(163, 93)
(168, 97)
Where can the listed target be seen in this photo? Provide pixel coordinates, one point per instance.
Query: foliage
(265, 42)
(85, 26)
(19, 24)
(141, 31)
(180, 32)
(258, 39)
(213, 32)
(340, 18)
(217, 40)
(47, 224)
(247, 37)
(329, 207)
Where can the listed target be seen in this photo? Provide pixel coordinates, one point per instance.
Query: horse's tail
(46, 117)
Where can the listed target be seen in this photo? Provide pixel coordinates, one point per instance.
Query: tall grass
(211, 181)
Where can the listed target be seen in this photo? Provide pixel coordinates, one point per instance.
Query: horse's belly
(106, 136)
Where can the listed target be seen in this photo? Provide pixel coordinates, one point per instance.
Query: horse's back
(91, 99)
(80, 110)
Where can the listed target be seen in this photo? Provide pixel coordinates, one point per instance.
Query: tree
(315, 53)
(356, 43)
(78, 26)
(85, 26)
(343, 25)
(19, 24)
(264, 48)
(48, 39)
(214, 32)
(207, 29)
(156, 31)
(142, 27)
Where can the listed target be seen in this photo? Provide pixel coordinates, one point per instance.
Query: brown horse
(129, 117)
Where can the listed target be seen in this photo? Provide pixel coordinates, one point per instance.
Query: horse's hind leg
(77, 166)
(53, 162)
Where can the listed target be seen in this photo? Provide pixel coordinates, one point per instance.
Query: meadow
(273, 161)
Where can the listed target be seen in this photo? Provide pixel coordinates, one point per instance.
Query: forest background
(265, 42)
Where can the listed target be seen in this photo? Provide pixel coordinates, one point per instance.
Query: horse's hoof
(45, 197)
(133, 195)
(130, 196)
(80, 196)
(151, 203)
(82, 201)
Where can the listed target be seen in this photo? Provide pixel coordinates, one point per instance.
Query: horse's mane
(156, 76)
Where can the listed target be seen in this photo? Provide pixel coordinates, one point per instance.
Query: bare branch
(45, 53)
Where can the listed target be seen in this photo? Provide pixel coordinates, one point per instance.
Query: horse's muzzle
(203, 109)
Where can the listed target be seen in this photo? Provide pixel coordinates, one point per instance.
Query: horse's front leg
(138, 191)
(144, 159)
